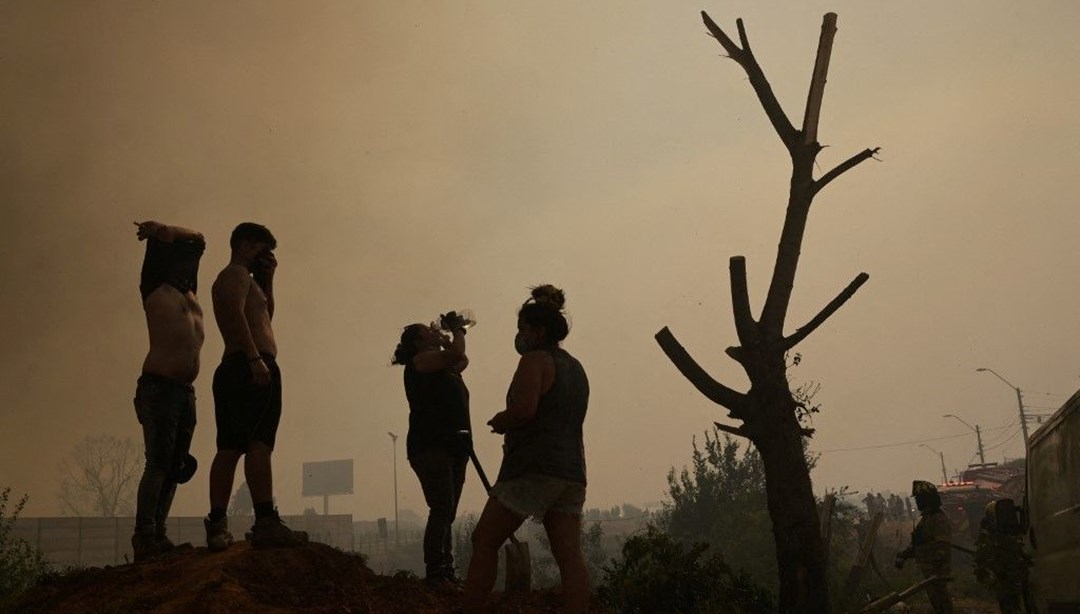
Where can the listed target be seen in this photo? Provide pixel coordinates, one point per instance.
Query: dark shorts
(166, 410)
(243, 411)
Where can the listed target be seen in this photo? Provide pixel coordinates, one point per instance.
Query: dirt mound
(315, 578)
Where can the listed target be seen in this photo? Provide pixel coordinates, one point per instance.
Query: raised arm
(164, 233)
(451, 357)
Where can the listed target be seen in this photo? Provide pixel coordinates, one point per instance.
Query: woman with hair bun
(543, 469)
(438, 412)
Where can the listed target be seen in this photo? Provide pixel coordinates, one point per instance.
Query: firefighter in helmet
(931, 545)
(1000, 562)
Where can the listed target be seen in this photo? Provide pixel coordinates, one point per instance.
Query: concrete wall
(95, 542)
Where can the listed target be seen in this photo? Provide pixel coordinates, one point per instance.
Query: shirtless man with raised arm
(247, 390)
(164, 396)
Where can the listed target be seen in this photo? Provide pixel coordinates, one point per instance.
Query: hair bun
(547, 293)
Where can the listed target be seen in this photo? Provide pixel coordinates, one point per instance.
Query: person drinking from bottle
(438, 412)
(543, 468)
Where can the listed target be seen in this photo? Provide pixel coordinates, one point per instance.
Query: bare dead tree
(100, 477)
(769, 412)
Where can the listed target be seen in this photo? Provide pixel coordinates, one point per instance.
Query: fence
(107, 541)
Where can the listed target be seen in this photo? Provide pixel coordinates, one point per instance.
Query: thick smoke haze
(414, 157)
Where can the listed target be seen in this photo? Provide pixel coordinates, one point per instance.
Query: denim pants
(166, 411)
(442, 476)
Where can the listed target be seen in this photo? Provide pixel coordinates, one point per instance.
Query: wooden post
(858, 569)
(826, 525)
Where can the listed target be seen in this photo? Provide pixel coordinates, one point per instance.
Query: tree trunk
(800, 556)
(769, 413)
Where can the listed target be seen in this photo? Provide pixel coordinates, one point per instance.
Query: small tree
(769, 413)
(21, 565)
(720, 500)
(100, 477)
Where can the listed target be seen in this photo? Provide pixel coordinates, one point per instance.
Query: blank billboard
(328, 478)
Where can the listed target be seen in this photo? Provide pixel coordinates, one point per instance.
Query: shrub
(658, 574)
(21, 565)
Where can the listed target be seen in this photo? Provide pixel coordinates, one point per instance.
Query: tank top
(552, 443)
(438, 409)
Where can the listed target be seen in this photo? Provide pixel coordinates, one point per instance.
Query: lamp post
(978, 435)
(1019, 400)
(944, 474)
(397, 532)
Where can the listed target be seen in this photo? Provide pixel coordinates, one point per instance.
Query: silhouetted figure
(1000, 562)
(871, 504)
(438, 413)
(931, 545)
(543, 468)
(164, 396)
(896, 507)
(247, 390)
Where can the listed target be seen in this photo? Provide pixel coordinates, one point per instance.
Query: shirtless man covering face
(164, 396)
(247, 390)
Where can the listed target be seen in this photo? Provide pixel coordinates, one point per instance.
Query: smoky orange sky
(414, 157)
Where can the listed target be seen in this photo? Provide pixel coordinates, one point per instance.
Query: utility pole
(397, 532)
(941, 455)
(978, 435)
(1023, 418)
(1019, 401)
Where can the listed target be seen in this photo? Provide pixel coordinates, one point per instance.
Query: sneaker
(271, 532)
(218, 537)
(144, 545)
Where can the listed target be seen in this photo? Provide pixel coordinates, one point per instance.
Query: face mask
(520, 345)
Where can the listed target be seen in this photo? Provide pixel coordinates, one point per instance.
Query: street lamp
(944, 474)
(1019, 400)
(397, 533)
(978, 435)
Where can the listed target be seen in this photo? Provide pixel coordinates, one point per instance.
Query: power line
(998, 437)
(906, 443)
(1015, 433)
(893, 445)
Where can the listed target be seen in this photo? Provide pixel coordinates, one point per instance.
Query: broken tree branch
(691, 370)
(733, 430)
(843, 167)
(824, 314)
(740, 301)
(729, 45)
(817, 82)
(745, 58)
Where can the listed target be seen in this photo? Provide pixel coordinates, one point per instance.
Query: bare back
(240, 308)
(175, 324)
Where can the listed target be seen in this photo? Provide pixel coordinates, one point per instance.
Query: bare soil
(314, 578)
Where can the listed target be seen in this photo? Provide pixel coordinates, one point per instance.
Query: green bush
(660, 575)
(21, 565)
(545, 571)
(720, 500)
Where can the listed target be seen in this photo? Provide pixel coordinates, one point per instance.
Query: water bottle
(462, 318)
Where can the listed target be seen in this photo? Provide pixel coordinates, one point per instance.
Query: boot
(271, 532)
(218, 537)
(144, 544)
(164, 543)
